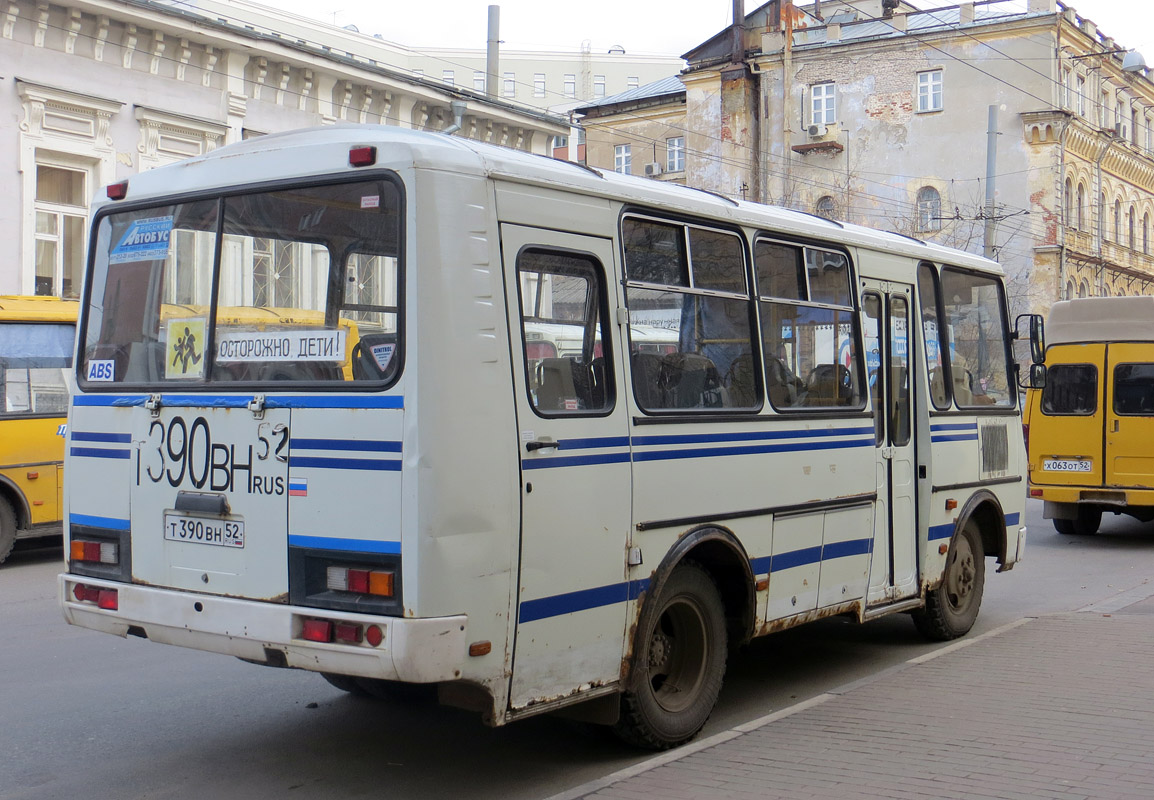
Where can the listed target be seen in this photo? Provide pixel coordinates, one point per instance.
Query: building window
(539, 84)
(598, 86)
(447, 76)
(622, 159)
(1146, 233)
(1067, 88)
(675, 154)
(1132, 224)
(1122, 126)
(1083, 288)
(478, 81)
(570, 85)
(1069, 204)
(822, 104)
(1081, 98)
(1118, 221)
(559, 141)
(1134, 127)
(930, 91)
(632, 82)
(826, 207)
(1081, 206)
(929, 209)
(509, 84)
(1104, 111)
(61, 208)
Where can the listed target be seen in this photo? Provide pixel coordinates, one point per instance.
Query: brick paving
(1058, 707)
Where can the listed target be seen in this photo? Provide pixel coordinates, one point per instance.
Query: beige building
(97, 90)
(639, 132)
(879, 115)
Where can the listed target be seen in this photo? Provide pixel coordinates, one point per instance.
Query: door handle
(1115, 426)
(541, 444)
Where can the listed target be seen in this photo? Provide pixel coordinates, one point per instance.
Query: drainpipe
(492, 47)
(458, 109)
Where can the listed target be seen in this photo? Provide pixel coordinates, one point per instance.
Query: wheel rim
(677, 655)
(961, 574)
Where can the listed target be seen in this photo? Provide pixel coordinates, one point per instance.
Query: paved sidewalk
(1058, 707)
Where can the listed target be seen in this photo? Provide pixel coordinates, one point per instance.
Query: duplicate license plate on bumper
(204, 530)
(1067, 465)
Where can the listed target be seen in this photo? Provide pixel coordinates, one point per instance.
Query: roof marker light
(117, 191)
(362, 156)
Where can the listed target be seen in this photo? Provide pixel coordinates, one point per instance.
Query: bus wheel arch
(14, 516)
(678, 647)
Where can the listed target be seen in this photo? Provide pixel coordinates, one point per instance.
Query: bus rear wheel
(952, 606)
(1085, 524)
(678, 663)
(7, 529)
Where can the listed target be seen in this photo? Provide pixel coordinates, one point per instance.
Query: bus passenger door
(893, 569)
(1129, 417)
(575, 468)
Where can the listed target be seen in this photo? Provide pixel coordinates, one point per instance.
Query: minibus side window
(1133, 389)
(562, 298)
(808, 327)
(1071, 389)
(931, 332)
(690, 326)
(33, 359)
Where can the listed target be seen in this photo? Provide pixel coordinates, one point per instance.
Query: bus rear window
(1071, 389)
(1133, 389)
(299, 284)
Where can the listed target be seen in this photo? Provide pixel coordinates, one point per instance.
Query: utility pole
(991, 169)
(492, 47)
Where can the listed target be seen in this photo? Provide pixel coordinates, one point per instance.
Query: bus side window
(562, 319)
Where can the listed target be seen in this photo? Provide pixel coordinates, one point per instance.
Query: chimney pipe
(737, 53)
(491, 48)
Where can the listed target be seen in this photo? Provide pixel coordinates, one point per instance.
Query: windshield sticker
(185, 348)
(383, 354)
(308, 345)
(104, 370)
(371, 201)
(145, 240)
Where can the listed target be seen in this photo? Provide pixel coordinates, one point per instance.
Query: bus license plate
(204, 530)
(1066, 465)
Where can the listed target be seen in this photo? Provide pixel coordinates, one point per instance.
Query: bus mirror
(1037, 377)
(1037, 336)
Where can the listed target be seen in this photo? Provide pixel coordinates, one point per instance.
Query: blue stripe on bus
(345, 545)
(795, 558)
(233, 401)
(346, 444)
(955, 426)
(711, 452)
(852, 547)
(957, 437)
(706, 438)
(583, 600)
(385, 465)
(1012, 519)
(548, 462)
(99, 452)
(94, 436)
(593, 443)
(112, 523)
(941, 531)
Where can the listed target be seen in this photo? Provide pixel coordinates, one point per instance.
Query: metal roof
(664, 86)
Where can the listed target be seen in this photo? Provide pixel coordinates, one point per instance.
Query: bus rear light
(108, 599)
(348, 632)
(1035, 493)
(117, 191)
(93, 551)
(362, 156)
(85, 594)
(317, 630)
(376, 582)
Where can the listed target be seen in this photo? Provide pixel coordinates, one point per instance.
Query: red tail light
(317, 630)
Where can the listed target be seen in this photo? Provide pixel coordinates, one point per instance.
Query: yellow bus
(1091, 429)
(36, 339)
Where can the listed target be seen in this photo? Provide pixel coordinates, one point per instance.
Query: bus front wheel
(678, 663)
(7, 529)
(952, 606)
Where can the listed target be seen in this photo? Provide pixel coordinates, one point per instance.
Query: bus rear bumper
(411, 650)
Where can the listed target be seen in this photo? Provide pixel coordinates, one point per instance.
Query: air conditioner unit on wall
(816, 130)
(652, 170)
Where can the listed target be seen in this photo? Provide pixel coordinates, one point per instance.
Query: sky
(665, 27)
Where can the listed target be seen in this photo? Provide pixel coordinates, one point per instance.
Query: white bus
(398, 482)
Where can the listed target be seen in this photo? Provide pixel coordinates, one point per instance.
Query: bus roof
(276, 157)
(1101, 319)
(37, 309)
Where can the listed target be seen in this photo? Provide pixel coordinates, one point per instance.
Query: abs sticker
(101, 370)
(145, 240)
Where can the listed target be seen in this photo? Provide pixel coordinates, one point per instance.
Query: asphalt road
(84, 714)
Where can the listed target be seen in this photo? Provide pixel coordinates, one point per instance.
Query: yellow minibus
(36, 339)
